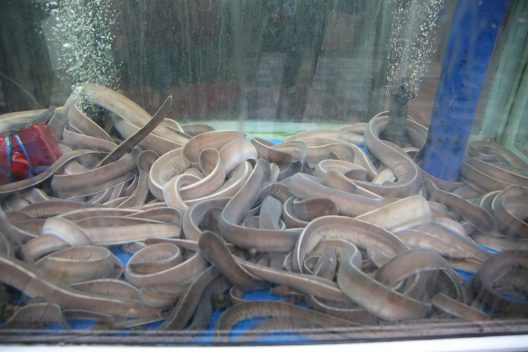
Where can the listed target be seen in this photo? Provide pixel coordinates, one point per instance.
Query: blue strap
(31, 170)
(8, 158)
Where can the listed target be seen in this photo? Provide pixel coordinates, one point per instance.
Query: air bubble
(83, 34)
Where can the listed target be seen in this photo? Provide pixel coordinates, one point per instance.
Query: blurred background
(266, 60)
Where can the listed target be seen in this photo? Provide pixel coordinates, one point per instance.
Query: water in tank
(262, 172)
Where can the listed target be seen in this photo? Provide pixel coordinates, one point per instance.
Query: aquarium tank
(263, 172)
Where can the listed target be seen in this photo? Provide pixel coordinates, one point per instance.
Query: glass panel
(507, 97)
(259, 172)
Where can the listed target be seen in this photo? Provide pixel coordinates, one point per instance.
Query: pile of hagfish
(344, 226)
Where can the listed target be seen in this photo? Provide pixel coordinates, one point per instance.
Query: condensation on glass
(251, 172)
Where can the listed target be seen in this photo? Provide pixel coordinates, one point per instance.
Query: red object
(27, 153)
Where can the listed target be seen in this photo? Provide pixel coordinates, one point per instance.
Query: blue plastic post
(473, 31)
